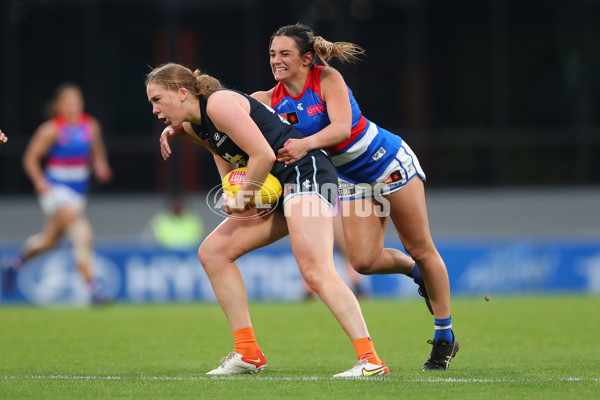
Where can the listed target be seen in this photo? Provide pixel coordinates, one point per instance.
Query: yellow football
(269, 192)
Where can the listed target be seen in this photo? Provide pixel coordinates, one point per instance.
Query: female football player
(71, 145)
(239, 130)
(378, 171)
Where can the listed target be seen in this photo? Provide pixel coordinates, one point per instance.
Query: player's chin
(278, 76)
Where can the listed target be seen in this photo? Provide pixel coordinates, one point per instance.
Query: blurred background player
(373, 164)
(176, 227)
(71, 144)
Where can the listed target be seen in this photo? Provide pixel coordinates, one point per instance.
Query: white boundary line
(283, 378)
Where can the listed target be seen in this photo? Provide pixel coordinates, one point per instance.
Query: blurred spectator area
(488, 93)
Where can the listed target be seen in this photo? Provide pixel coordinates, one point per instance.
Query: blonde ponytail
(323, 49)
(344, 51)
(205, 84)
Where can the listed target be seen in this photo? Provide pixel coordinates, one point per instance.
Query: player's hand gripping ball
(269, 192)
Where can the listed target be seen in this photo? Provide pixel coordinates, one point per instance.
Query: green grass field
(521, 348)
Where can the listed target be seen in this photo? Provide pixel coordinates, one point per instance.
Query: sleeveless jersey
(362, 158)
(68, 161)
(275, 129)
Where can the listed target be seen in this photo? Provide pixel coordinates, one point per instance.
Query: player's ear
(307, 58)
(183, 93)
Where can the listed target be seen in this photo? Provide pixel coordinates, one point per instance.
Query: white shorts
(402, 169)
(60, 196)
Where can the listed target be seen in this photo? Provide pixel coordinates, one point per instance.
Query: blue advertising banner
(135, 273)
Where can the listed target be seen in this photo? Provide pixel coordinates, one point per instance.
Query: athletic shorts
(60, 196)
(402, 168)
(313, 174)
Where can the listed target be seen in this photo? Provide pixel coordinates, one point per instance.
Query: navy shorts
(313, 174)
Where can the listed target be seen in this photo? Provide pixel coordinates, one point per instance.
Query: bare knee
(361, 263)
(422, 254)
(65, 218)
(206, 254)
(311, 279)
(315, 280)
(212, 253)
(80, 233)
(41, 243)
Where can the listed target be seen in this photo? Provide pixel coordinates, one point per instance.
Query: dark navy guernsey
(313, 173)
(274, 128)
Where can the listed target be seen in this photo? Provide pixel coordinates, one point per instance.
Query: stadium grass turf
(517, 348)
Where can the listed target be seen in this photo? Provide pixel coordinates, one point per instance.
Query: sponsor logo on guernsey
(317, 108)
(281, 118)
(237, 159)
(306, 184)
(220, 142)
(280, 105)
(378, 154)
(291, 117)
(299, 106)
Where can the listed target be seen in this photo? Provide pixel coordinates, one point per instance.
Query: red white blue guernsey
(68, 161)
(370, 155)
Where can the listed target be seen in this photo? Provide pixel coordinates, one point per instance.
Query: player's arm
(223, 166)
(186, 130)
(181, 131)
(263, 96)
(100, 164)
(168, 134)
(335, 94)
(39, 145)
(191, 134)
(230, 112)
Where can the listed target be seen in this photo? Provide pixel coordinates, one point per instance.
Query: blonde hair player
(71, 142)
(375, 168)
(239, 130)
